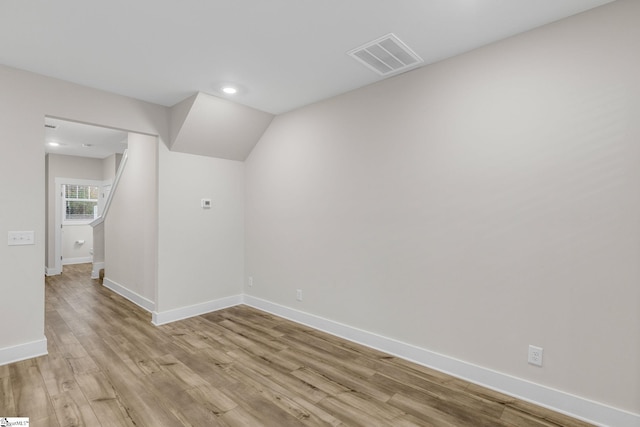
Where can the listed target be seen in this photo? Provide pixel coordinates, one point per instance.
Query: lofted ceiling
(210, 126)
(280, 54)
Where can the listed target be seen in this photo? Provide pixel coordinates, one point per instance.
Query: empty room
(286, 212)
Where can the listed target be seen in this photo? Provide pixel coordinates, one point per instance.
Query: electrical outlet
(535, 355)
(250, 281)
(299, 294)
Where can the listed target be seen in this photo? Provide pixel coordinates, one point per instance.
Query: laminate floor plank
(72, 409)
(179, 402)
(320, 382)
(350, 415)
(237, 367)
(6, 396)
(282, 397)
(330, 354)
(192, 335)
(141, 405)
(260, 325)
(213, 399)
(543, 415)
(29, 391)
(239, 417)
(426, 412)
(104, 400)
(267, 412)
(451, 401)
(339, 374)
(390, 367)
(520, 419)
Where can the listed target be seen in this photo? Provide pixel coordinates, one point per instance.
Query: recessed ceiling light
(228, 88)
(54, 144)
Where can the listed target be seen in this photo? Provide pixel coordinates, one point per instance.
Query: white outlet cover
(535, 355)
(205, 203)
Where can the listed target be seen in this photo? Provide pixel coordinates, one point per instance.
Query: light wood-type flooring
(109, 366)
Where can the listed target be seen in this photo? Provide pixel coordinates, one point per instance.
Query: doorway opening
(80, 166)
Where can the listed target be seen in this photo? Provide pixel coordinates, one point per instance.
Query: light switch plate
(18, 238)
(205, 203)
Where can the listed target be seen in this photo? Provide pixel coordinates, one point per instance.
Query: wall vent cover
(386, 55)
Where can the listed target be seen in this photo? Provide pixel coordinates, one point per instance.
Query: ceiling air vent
(386, 55)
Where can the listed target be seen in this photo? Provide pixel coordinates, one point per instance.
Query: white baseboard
(52, 271)
(82, 260)
(23, 351)
(95, 271)
(559, 401)
(160, 318)
(135, 298)
(574, 406)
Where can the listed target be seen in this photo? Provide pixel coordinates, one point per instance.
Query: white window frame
(86, 221)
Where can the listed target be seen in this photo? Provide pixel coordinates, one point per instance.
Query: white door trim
(59, 182)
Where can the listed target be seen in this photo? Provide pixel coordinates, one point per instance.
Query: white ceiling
(283, 53)
(99, 142)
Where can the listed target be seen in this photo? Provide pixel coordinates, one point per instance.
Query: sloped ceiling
(280, 54)
(210, 126)
(284, 53)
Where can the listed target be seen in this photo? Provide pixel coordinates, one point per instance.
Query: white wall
(98, 249)
(109, 167)
(77, 242)
(131, 226)
(208, 244)
(472, 207)
(22, 207)
(26, 100)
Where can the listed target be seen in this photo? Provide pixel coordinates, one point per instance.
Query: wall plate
(18, 238)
